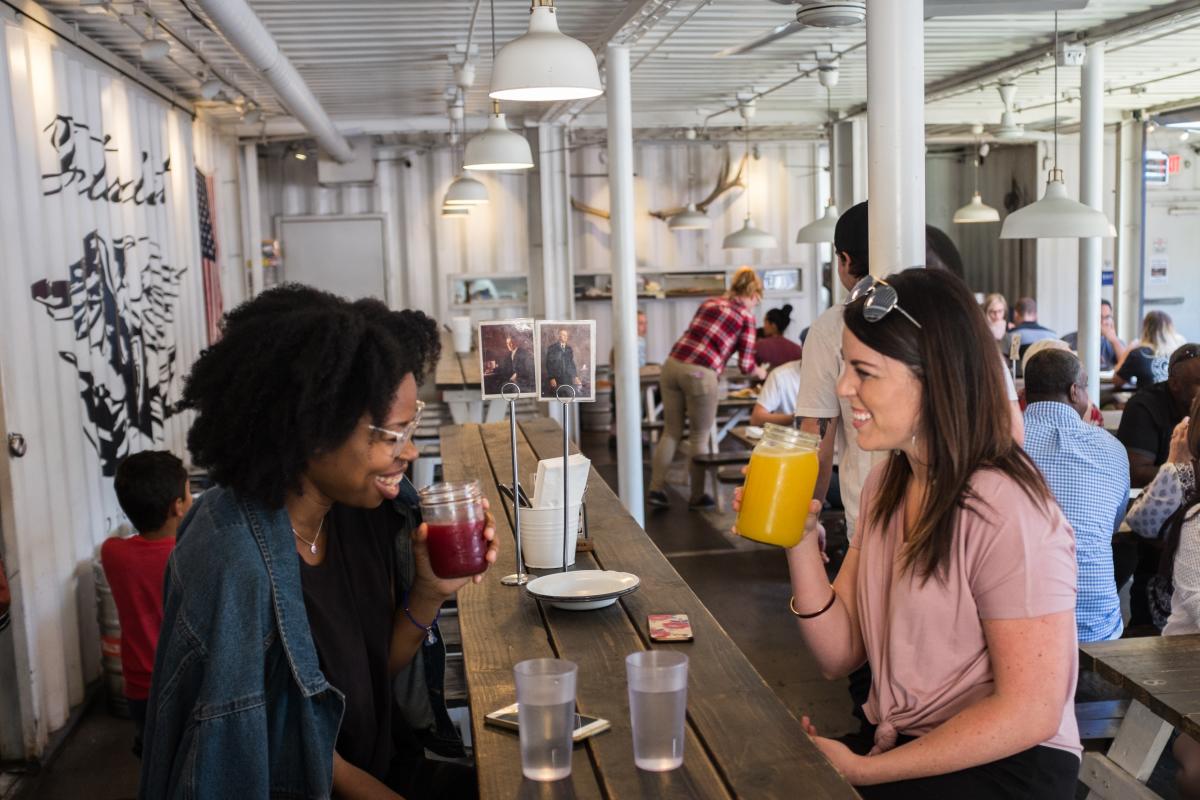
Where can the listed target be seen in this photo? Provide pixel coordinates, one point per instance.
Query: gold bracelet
(829, 605)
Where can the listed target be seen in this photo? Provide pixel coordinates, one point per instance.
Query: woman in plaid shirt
(721, 326)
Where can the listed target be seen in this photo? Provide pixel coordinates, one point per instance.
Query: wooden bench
(714, 462)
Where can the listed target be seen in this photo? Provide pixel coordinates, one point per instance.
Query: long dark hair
(965, 414)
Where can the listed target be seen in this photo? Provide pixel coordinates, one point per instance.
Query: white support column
(1091, 193)
(251, 217)
(1131, 216)
(551, 277)
(624, 265)
(896, 133)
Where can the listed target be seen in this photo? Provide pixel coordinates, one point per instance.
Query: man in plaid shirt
(690, 376)
(1086, 469)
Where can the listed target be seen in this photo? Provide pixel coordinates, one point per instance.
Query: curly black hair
(293, 373)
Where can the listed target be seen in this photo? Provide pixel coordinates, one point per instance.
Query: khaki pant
(689, 392)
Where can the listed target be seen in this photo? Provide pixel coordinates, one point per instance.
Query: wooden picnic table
(741, 740)
(458, 378)
(1162, 673)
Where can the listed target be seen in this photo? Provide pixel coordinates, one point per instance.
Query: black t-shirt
(1148, 421)
(350, 599)
(1139, 363)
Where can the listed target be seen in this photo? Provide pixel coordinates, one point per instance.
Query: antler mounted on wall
(725, 183)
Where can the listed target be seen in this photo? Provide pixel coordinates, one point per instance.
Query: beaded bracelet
(829, 605)
(430, 636)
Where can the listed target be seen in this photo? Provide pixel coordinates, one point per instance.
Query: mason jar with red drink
(455, 519)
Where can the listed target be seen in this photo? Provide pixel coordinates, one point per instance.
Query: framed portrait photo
(508, 354)
(566, 356)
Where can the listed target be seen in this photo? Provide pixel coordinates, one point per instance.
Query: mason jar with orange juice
(779, 486)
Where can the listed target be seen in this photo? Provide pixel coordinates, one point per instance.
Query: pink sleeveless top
(929, 659)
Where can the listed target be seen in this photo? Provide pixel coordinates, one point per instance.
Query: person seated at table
(1147, 423)
(1086, 470)
(1145, 361)
(1170, 508)
(306, 401)
(1026, 326)
(960, 597)
(773, 348)
(1112, 349)
(776, 400)
(721, 327)
(1092, 416)
(995, 309)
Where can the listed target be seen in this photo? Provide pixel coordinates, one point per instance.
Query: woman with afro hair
(285, 615)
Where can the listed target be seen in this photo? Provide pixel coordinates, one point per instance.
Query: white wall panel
(424, 248)
(102, 317)
(784, 196)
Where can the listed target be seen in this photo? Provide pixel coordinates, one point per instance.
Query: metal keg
(110, 643)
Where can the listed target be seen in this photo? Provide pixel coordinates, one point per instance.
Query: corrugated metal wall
(423, 248)
(102, 316)
(784, 183)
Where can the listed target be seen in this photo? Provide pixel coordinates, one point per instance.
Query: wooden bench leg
(1122, 772)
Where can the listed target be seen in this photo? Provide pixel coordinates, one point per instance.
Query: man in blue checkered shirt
(1088, 472)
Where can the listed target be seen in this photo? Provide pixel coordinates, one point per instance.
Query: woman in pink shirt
(959, 591)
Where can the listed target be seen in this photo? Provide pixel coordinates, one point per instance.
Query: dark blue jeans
(137, 712)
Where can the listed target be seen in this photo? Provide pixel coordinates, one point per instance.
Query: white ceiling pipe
(246, 34)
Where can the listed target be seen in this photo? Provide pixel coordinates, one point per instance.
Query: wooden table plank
(598, 642)
(1162, 672)
(470, 369)
(449, 373)
(761, 749)
(499, 628)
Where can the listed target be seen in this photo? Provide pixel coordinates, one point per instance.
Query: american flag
(213, 305)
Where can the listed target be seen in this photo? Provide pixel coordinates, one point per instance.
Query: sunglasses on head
(881, 299)
(1185, 353)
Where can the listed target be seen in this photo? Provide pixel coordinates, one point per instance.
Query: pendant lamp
(748, 237)
(497, 148)
(690, 219)
(976, 210)
(822, 230)
(466, 191)
(544, 65)
(1056, 216)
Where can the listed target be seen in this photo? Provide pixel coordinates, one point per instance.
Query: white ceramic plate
(582, 590)
(753, 432)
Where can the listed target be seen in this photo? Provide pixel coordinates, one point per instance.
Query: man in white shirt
(777, 398)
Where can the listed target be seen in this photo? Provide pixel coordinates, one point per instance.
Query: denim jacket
(238, 704)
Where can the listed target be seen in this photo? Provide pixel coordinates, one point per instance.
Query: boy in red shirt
(152, 488)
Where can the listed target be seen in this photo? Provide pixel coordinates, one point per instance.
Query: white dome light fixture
(690, 219)
(252, 115)
(465, 191)
(976, 210)
(748, 237)
(497, 148)
(210, 88)
(1056, 216)
(820, 230)
(831, 13)
(155, 49)
(544, 65)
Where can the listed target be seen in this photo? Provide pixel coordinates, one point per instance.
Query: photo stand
(568, 539)
(511, 392)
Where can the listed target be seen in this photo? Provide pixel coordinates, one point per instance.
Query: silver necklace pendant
(430, 637)
(312, 548)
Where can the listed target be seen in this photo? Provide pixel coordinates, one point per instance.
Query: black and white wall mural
(119, 296)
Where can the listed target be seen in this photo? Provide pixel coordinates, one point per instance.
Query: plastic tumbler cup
(546, 716)
(657, 705)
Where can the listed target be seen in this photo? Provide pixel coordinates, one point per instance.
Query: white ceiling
(380, 63)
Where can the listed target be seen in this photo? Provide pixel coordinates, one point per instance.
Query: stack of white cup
(542, 536)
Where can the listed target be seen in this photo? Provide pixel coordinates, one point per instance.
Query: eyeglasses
(881, 299)
(401, 438)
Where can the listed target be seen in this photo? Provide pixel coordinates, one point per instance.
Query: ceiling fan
(849, 13)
